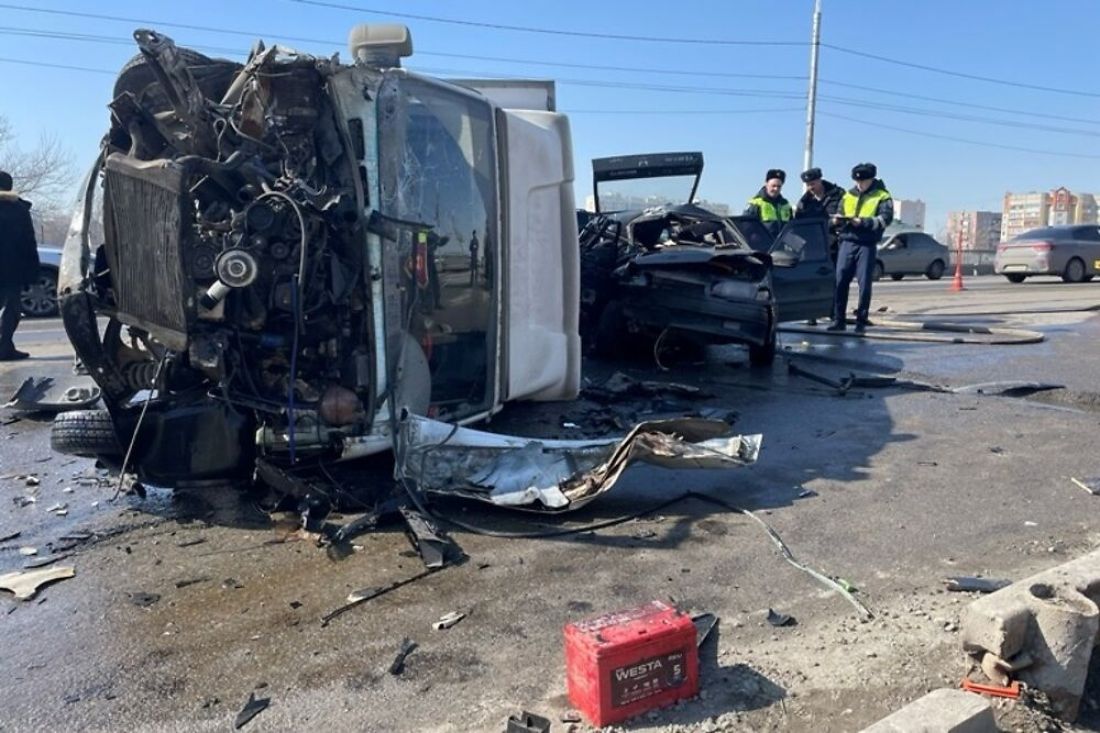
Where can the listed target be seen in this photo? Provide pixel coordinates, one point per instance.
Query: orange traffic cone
(957, 282)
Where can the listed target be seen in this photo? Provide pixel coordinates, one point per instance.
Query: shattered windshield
(438, 174)
(644, 193)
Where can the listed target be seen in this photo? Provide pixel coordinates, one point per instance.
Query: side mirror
(783, 258)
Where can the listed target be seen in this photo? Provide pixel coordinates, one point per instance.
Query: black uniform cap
(776, 173)
(813, 174)
(864, 172)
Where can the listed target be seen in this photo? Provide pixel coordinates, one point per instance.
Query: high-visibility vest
(768, 210)
(865, 205)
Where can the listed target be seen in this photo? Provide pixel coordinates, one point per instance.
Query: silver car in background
(1071, 252)
(39, 299)
(910, 252)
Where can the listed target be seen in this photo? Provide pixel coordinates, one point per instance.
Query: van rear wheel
(1016, 278)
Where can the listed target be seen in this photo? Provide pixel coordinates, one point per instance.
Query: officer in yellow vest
(768, 204)
(865, 212)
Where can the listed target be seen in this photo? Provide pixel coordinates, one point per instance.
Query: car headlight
(734, 290)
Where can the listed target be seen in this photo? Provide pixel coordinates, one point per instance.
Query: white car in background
(40, 297)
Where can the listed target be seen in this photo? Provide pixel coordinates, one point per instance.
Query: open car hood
(648, 165)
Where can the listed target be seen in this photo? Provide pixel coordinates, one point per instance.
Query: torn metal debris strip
(557, 475)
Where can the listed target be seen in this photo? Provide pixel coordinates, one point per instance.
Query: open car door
(803, 274)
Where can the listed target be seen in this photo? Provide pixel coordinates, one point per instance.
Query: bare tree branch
(43, 173)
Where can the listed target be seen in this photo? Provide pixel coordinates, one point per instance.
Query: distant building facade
(1024, 211)
(910, 211)
(615, 201)
(975, 230)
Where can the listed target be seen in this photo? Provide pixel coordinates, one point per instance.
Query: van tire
(85, 433)
(878, 271)
(897, 275)
(1016, 278)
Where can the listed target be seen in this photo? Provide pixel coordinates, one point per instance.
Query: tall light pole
(811, 98)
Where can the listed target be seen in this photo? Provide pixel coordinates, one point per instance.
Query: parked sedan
(40, 297)
(910, 252)
(1072, 252)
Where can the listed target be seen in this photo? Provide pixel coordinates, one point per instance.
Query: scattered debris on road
(527, 722)
(26, 583)
(357, 598)
(975, 584)
(620, 387)
(191, 543)
(704, 624)
(1091, 485)
(28, 551)
(777, 619)
(49, 395)
(1011, 691)
(142, 599)
(556, 475)
(627, 662)
(253, 707)
(191, 581)
(10, 536)
(42, 562)
(408, 646)
(448, 620)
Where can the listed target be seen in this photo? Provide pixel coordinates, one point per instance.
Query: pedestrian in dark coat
(18, 263)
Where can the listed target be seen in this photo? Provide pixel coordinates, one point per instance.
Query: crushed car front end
(679, 270)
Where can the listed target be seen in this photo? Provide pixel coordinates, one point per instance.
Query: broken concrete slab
(1052, 616)
(940, 711)
(25, 584)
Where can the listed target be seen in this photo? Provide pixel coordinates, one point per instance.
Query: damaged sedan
(287, 259)
(682, 270)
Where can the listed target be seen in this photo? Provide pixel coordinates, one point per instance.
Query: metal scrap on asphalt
(971, 583)
(252, 707)
(46, 394)
(557, 475)
(408, 646)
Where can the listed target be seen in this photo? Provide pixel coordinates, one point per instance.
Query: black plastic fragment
(251, 709)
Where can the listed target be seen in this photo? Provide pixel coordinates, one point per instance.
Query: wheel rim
(40, 297)
(937, 269)
(1076, 270)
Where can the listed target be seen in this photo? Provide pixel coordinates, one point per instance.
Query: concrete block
(1054, 617)
(940, 711)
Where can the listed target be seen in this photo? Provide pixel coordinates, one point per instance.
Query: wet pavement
(184, 605)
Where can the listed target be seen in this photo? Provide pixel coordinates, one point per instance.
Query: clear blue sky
(1042, 44)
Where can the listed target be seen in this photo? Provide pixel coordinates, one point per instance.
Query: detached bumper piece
(558, 475)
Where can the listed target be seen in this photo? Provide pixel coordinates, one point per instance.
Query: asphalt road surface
(181, 606)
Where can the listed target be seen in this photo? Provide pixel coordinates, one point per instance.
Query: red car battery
(622, 664)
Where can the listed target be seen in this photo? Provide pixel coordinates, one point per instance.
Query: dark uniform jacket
(18, 248)
(810, 207)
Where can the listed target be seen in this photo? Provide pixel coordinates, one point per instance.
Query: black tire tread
(85, 433)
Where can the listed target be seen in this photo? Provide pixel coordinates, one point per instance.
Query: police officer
(822, 198)
(768, 204)
(865, 212)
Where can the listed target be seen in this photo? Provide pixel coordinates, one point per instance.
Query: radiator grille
(146, 222)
